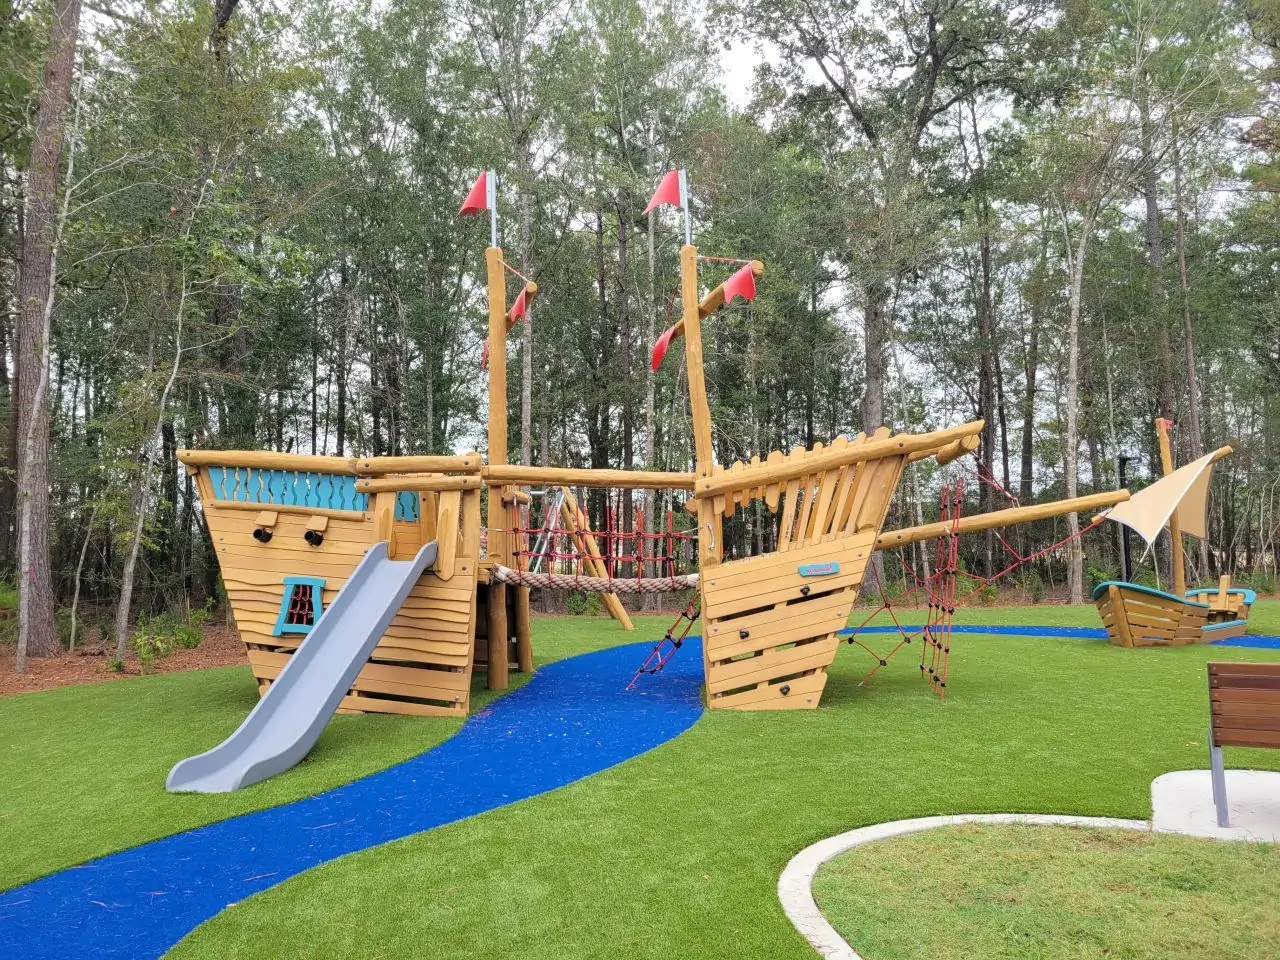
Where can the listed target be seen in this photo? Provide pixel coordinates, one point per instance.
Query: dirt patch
(221, 647)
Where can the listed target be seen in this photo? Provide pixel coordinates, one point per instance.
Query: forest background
(234, 225)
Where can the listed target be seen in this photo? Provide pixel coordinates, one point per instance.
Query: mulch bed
(221, 647)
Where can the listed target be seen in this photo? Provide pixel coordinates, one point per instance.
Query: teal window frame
(317, 605)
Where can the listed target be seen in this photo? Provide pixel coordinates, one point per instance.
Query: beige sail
(1182, 495)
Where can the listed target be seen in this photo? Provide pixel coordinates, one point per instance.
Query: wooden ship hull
(771, 621)
(1228, 608)
(1138, 616)
(288, 532)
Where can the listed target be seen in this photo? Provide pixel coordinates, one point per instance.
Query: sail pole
(1176, 559)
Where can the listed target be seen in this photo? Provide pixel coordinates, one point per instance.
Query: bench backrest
(1244, 704)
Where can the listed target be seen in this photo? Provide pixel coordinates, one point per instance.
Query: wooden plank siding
(423, 663)
(770, 631)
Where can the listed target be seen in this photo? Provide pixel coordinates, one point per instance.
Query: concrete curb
(795, 886)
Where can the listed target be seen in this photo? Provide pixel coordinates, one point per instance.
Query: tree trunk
(37, 636)
(1156, 314)
(525, 172)
(1195, 437)
(1075, 563)
(875, 336)
(142, 490)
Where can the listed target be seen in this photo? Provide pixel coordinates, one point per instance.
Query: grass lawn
(1054, 893)
(673, 854)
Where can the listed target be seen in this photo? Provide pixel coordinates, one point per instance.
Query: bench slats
(1244, 704)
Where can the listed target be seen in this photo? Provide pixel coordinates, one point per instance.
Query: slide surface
(285, 724)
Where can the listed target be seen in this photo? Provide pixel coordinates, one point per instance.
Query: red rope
(661, 653)
(941, 590)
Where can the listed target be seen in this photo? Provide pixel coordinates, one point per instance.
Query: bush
(583, 604)
(1096, 575)
(154, 639)
(62, 622)
(1033, 583)
(1263, 581)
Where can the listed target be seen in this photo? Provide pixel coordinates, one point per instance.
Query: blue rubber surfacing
(574, 718)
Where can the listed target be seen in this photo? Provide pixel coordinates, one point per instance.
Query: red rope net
(942, 588)
(618, 551)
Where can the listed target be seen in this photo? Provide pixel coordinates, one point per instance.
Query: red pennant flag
(668, 192)
(519, 308)
(484, 356)
(664, 341)
(741, 284)
(478, 198)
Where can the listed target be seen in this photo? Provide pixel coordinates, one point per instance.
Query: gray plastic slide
(285, 724)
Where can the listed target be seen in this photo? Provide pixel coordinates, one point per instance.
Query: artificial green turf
(82, 769)
(676, 854)
(1053, 893)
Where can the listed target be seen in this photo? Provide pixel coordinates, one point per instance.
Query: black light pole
(1126, 558)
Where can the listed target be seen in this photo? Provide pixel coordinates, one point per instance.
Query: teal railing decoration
(300, 488)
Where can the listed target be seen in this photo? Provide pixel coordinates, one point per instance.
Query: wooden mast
(709, 546)
(1175, 530)
(498, 547)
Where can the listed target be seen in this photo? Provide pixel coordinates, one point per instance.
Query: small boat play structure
(381, 584)
(1141, 616)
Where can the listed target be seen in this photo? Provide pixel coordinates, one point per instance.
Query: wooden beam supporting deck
(341, 466)
(428, 483)
(497, 475)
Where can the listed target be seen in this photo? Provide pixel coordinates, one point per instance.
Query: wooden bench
(1244, 711)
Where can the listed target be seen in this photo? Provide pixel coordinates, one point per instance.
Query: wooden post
(498, 549)
(498, 635)
(497, 395)
(1175, 531)
(384, 521)
(592, 559)
(523, 632)
(710, 548)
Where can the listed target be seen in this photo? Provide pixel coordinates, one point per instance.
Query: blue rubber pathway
(573, 719)
(1257, 642)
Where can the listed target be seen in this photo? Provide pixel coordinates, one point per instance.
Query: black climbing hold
(804, 591)
(784, 689)
(743, 634)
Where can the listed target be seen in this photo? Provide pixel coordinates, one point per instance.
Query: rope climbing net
(946, 587)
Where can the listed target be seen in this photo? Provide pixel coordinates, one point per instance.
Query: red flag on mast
(741, 284)
(668, 192)
(519, 308)
(664, 341)
(478, 198)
